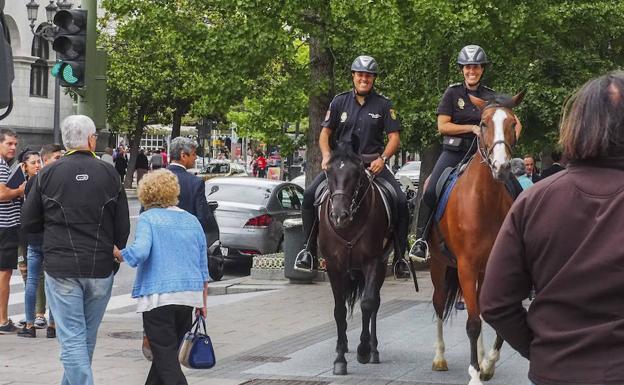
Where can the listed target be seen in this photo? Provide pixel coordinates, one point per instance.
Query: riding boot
(306, 258)
(419, 250)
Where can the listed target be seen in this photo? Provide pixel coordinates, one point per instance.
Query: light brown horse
(474, 214)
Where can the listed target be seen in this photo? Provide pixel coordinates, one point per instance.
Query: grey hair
(517, 167)
(181, 145)
(75, 130)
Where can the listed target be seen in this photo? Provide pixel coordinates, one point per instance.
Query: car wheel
(216, 264)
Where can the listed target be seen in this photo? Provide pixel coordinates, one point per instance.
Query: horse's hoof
(374, 358)
(364, 359)
(340, 368)
(439, 366)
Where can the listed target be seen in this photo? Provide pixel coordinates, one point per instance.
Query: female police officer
(458, 122)
(362, 113)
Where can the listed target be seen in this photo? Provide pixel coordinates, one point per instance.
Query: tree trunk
(321, 93)
(178, 113)
(135, 142)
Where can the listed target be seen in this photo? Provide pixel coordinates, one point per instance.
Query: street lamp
(48, 32)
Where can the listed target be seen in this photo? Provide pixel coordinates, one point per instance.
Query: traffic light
(70, 43)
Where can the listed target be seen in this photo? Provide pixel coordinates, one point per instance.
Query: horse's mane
(344, 152)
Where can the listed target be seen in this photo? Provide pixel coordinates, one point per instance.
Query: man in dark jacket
(192, 188)
(142, 165)
(81, 206)
(555, 167)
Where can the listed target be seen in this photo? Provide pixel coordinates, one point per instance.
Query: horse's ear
(480, 103)
(518, 98)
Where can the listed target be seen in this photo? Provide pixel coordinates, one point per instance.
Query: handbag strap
(197, 324)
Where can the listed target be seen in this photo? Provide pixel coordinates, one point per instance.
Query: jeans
(33, 280)
(79, 305)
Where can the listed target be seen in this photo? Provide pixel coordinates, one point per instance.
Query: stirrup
(402, 262)
(416, 258)
(300, 256)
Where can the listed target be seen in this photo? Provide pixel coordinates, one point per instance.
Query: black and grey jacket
(82, 208)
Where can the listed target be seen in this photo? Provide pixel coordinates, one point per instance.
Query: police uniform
(365, 124)
(456, 104)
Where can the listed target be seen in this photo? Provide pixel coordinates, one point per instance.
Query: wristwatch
(384, 158)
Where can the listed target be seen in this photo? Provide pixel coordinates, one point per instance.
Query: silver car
(411, 170)
(250, 213)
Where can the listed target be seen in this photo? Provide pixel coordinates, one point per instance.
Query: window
(39, 69)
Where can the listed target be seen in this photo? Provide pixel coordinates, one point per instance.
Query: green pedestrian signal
(70, 43)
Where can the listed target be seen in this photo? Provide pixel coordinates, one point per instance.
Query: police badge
(343, 117)
(461, 103)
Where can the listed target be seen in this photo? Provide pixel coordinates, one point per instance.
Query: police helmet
(472, 54)
(364, 64)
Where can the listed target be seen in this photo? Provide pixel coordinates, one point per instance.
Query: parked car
(299, 181)
(410, 170)
(220, 168)
(251, 212)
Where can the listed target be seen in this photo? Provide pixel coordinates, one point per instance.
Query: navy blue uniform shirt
(368, 122)
(456, 104)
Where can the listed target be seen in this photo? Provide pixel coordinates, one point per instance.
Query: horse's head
(498, 131)
(345, 177)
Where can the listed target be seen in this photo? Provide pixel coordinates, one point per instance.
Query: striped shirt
(9, 210)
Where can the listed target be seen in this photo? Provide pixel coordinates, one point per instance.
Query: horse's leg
(488, 365)
(379, 280)
(468, 280)
(438, 271)
(337, 281)
(369, 303)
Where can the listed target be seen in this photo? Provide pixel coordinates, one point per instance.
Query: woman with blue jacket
(169, 252)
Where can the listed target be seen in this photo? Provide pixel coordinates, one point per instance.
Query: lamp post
(48, 32)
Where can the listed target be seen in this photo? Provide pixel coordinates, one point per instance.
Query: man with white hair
(81, 206)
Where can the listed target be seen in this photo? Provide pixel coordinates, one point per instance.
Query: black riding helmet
(364, 63)
(472, 54)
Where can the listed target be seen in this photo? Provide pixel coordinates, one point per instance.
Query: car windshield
(237, 193)
(412, 166)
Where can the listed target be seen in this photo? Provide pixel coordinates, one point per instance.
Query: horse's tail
(452, 291)
(354, 289)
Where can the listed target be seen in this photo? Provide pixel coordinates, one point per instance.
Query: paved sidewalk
(278, 336)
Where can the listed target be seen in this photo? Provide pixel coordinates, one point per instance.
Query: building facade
(33, 88)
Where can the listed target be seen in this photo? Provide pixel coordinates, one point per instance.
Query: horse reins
(355, 204)
(485, 151)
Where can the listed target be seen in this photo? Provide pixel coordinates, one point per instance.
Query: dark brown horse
(354, 240)
(475, 212)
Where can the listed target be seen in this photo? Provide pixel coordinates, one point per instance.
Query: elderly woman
(563, 236)
(169, 251)
(519, 171)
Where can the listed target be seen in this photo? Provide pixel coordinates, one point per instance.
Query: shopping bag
(196, 350)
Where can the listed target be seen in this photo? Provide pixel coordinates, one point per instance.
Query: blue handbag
(196, 350)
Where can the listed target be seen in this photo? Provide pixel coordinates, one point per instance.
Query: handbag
(196, 350)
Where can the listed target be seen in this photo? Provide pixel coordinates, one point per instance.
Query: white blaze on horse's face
(500, 158)
(341, 165)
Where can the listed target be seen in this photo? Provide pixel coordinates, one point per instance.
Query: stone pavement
(277, 333)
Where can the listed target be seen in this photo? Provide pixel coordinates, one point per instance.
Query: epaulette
(488, 88)
(383, 96)
(456, 85)
(342, 93)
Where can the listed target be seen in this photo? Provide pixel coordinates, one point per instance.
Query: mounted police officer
(458, 122)
(366, 116)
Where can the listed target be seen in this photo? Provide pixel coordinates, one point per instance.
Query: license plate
(224, 251)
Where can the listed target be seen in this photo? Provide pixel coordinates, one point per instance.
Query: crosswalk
(121, 304)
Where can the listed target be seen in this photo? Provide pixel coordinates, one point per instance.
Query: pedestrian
(107, 156)
(519, 171)
(10, 204)
(81, 206)
(459, 124)
(142, 165)
(359, 115)
(163, 154)
(554, 168)
(121, 163)
(169, 252)
(531, 169)
(262, 165)
(156, 161)
(563, 236)
(34, 295)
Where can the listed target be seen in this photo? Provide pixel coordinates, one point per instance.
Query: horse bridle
(486, 151)
(355, 203)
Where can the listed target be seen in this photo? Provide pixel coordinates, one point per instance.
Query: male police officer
(364, 114)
